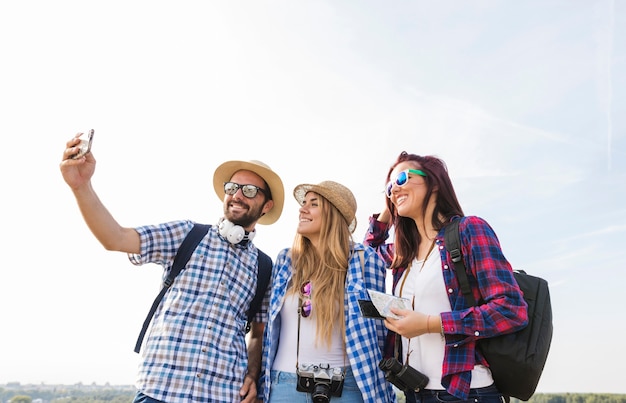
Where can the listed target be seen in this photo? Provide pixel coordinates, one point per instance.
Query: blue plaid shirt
(364, 337)
(195, 349)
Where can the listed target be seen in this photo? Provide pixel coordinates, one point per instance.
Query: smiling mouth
(237, 206)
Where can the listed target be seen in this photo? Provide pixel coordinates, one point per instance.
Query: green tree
(21, 399)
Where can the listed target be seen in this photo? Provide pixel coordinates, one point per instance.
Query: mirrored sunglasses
(305, 300)
(250, 191)
(402, 179)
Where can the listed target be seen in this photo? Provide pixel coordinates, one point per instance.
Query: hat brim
(225, 172)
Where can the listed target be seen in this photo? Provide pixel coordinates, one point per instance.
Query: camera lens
(390, 364)
(321, 393)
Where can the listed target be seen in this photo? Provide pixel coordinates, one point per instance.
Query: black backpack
(193, 238)
(516, 360)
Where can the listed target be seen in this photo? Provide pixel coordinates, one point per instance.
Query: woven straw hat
(340, 196)
(224, 172)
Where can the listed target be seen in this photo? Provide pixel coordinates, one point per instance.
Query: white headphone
(234, 233)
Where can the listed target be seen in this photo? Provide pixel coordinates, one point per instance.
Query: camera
(404, 377)
(320, 381)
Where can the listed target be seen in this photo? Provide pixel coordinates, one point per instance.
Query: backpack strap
(361, 254)
(452, 240)
(263, 280)
(453, 245)
(193, 238)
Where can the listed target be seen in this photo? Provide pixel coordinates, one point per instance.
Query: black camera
(404, 377)
(320, 381)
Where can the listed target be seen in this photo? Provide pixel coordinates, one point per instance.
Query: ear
(267, 206)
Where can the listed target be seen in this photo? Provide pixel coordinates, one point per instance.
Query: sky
(524, 101)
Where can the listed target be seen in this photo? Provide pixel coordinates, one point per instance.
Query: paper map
(384, 302)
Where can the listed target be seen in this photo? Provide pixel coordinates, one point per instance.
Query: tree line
(575, 398)
(62, 395)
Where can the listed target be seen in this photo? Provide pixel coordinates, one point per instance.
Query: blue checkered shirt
(365, 337)
(195, 350)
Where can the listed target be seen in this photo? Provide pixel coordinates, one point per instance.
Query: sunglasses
(402, 179)
(250, 191)
(305, 300)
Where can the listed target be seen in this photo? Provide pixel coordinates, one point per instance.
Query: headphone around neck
(233, 232)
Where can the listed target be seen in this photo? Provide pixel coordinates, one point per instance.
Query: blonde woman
(317, 345)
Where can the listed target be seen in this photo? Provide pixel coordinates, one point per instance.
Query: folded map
(384, 302)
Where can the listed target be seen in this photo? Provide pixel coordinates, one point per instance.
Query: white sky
(523, 100)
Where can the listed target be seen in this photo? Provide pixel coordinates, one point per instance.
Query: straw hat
(224, 172)
(340, 196)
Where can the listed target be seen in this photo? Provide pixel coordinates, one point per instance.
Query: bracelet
(428, 324)
(443, 336)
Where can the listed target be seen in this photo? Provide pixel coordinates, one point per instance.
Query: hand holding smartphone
(84, 146)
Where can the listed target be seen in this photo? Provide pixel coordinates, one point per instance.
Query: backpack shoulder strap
(263, 279)
(452, 240)
(361, 254)
(191, 241)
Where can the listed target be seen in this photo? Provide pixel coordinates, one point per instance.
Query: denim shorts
(489, 394)
(283, 389)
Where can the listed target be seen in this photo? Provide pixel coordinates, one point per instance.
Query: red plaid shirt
(503, 311)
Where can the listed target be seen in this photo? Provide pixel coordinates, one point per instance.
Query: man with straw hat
(195, 349)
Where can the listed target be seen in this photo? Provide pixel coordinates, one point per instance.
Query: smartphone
(368, 309)
(85, 146)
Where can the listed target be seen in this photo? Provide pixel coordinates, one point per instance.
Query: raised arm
(377, 234)
(77, 174)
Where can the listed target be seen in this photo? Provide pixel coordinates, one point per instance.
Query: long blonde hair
(326, 268)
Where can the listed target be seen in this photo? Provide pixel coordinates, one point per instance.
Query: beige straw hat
(224, 172)
(340, 196)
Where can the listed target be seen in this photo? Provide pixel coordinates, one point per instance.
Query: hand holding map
(383, 304)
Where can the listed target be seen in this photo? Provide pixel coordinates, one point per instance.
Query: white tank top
(309, 353)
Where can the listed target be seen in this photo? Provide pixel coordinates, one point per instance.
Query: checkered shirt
(195, 350)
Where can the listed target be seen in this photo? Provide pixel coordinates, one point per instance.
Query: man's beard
(247, 219)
